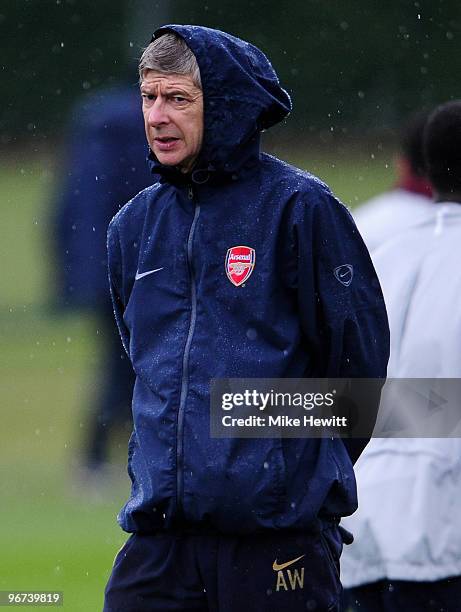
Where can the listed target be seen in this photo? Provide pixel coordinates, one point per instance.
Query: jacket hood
(242, 97)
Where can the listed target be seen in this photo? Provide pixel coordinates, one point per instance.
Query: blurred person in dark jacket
(104, 166)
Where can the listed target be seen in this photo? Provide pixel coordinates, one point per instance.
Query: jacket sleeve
(115, 265)
(342, 310)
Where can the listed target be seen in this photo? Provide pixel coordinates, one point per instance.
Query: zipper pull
(191, 193)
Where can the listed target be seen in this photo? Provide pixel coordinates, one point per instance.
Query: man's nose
(158, 114)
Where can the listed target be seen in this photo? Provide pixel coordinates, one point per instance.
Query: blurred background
(355, 70)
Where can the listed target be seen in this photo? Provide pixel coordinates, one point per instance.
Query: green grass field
(52, 537)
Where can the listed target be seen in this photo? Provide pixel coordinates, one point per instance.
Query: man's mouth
(165, 143)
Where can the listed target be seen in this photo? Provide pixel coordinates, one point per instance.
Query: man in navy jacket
(233, 265)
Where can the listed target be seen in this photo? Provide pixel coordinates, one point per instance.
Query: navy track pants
(269, 572)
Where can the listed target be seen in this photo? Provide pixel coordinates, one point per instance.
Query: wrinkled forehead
(167, 81)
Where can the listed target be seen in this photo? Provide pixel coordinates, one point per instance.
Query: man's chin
(168, 160)
(184, 165)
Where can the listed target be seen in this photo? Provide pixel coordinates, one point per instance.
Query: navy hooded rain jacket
(188, 323)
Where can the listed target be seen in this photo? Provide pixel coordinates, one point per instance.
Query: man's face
(173, 117)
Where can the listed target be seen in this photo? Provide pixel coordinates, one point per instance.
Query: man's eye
(179, 99)
(148, 96)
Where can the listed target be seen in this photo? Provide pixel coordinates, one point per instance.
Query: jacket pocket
(238, 487)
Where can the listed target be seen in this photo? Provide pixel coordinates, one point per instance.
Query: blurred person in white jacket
(407, 550)
(409, 202)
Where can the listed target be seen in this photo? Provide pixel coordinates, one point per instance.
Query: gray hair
(169, 54)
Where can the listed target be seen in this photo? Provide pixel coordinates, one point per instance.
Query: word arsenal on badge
(240, 262)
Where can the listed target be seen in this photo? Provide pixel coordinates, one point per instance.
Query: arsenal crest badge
(240, 262)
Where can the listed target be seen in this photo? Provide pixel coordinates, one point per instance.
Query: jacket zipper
(185, 361)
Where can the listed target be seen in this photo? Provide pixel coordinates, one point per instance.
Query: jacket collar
(237, 166)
